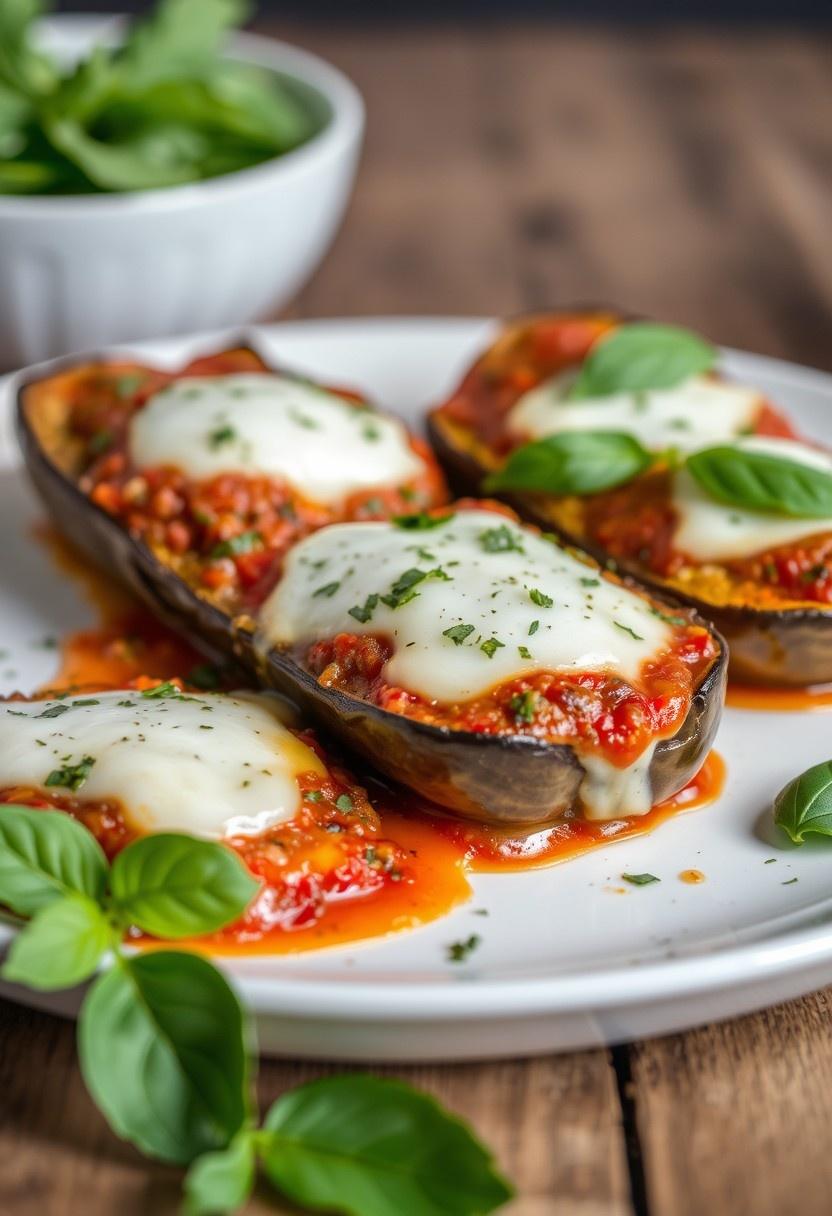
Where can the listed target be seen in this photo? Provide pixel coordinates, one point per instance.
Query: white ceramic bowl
(78, 272)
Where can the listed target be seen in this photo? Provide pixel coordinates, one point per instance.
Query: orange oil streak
(780, 700)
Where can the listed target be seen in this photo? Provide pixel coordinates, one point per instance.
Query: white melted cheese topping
(695, 414)
(590, 624)
(211, 765)
(708, 530)
(275, 426)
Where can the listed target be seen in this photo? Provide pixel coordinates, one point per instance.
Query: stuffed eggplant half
(623, 438)
(157, 757)
(498, 674)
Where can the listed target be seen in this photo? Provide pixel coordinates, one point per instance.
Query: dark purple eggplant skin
(773, 648)
(513, 781)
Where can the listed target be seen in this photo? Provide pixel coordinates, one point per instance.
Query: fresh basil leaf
(761, 481)
(45, 855)
(61, 947)
(163, 1049)
(805, 804)
(223, 1181)
(176, 886)
(369, 1147)
(572, 462)
(641, 356)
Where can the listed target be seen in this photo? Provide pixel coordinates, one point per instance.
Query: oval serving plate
(570, 956)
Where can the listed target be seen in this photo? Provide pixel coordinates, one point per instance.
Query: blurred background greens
(162, 109)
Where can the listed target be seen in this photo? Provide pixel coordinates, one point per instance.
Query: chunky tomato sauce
(227, 534)
(635, 522)
(591, 710)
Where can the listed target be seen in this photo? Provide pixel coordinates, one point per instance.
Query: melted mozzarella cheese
(708, 530)
(695, 414)
(275, 426)
(212, 765)
(590, 623)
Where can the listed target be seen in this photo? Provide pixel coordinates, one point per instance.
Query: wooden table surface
(681, 174)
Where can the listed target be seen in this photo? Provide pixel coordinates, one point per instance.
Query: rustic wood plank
(726, 1114)
(553, 1124)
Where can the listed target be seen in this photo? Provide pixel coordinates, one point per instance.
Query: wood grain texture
(683, 174)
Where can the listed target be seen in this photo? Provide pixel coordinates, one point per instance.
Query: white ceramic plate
(565, 961)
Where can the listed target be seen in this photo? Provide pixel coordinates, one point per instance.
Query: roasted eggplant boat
(157, 757)
(624, 439)
(498, 674)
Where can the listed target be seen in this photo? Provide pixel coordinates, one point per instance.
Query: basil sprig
(641, 356)
(166, 1047)
(805, 804)
(572, 462)
(761, 481)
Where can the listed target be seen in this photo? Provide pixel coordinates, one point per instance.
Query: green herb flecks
(244, 542)
(500, 540)
(71, 776)
(640, 880)
(458, 633)
(523, 706)
(460, 952)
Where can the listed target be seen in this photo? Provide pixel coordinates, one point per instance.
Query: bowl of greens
(162, 176)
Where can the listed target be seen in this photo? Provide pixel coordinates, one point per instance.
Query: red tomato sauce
(226, 534)
(591, 709)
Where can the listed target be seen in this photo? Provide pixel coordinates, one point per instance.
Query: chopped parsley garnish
(458, 952)
(235, 545)
(788, 882)
(204, 675)
(627, 629)
(313, 796)
(491, 647)
(500, 540)
(640, 880)
(344, 802)
(402, 590)
(163, 691)
(100, 441)
(127, 704)
(327, 590)
(309, 424)
(522, 705)
(371, 431)
(590, 582)
(524, 652)
(71, 776)
(533, 628)
(54, 711)
(86, 701)
(364, 612)
(420, 521)
(458, 633)
(127, 384)
(668, 620)
(540, 599)
(222, 434)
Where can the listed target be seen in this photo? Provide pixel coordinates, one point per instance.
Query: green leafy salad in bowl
(160, 107)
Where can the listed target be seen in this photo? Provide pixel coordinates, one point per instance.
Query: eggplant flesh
(513, 781)
(784, 647)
